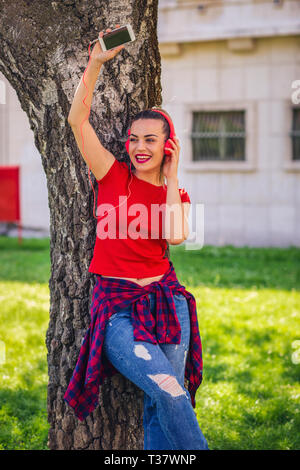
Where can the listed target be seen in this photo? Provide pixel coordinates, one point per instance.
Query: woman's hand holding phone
(99, 56)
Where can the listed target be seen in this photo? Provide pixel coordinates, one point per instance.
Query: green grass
(24, 315)
(248, 304)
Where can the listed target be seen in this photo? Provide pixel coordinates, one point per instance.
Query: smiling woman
(149, 143)
(126, 309)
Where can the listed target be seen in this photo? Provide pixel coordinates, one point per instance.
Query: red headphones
(167, 147)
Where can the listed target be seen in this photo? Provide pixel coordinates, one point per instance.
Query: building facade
(228, 71)
(17, 147)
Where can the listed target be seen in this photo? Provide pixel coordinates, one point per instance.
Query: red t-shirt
(129, 239)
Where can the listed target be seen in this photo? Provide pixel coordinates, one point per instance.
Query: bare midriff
(141, 281)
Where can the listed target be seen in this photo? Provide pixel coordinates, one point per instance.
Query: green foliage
(248, 304)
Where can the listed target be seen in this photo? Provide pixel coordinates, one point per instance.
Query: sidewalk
(11, 230)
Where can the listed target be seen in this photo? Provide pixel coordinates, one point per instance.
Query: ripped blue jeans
(169, 420)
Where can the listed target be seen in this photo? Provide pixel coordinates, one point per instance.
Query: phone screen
(116, 38)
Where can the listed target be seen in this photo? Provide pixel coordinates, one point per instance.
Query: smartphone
(116, 37)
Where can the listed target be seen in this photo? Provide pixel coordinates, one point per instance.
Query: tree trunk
(43, 54)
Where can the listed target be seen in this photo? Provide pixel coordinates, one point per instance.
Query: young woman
(143, 327)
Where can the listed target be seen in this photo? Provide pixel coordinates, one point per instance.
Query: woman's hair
(150, 114)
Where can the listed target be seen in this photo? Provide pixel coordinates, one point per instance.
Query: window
(295, 134)
(218, 136)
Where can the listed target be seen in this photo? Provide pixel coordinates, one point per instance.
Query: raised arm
(97, 157)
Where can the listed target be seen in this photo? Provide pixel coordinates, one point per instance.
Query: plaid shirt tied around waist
(113, 295)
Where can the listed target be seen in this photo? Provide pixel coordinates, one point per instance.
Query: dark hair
(150, 114)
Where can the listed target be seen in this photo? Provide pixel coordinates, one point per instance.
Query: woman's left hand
(170, 166)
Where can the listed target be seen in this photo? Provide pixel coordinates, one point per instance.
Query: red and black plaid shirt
(113, 295)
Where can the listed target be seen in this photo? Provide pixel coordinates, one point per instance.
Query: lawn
(248, 304)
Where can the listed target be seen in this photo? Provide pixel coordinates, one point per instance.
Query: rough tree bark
(43, 53)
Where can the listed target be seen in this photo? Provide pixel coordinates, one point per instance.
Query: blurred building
(228, 68)
(228, 71)
(17, 147)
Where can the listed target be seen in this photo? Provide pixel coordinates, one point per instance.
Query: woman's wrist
(96, 64)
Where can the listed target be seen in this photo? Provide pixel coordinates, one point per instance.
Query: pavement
(12, 230)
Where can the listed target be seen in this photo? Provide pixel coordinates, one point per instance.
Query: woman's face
(147, 138)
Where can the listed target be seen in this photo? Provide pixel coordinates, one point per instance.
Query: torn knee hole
(168, 383)
(142, 352)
